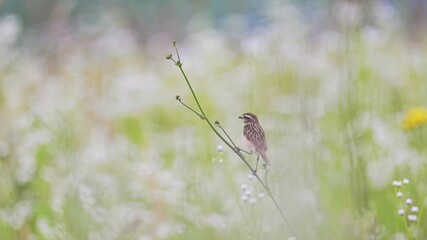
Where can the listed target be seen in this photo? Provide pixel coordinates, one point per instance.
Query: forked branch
(227, 139)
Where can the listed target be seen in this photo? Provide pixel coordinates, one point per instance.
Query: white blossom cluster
(408, 208)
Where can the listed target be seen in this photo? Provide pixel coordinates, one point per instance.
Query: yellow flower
(414, 118)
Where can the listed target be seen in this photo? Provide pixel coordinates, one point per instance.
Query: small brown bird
(254, 137)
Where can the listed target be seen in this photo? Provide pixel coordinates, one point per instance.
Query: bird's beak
(241, 117)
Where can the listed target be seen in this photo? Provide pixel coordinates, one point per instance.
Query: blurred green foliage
(93, 144)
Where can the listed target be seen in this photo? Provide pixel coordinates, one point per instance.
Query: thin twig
(230, 144)
(267, 170)
(194, 111)
(241, 150)
(226, 134)
(177, 53)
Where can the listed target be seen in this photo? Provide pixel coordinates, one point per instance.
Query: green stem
(405, 214)
(420, 215)
(216, 132)
(207, 119)
(191, 89)
(226, 134)
(270, 194)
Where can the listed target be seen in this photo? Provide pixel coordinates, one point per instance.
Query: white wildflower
(414, 209)
(412, 218)
(219, 148)
(251, 176)
(252, 201)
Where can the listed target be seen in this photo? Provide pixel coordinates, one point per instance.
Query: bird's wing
(257, 137)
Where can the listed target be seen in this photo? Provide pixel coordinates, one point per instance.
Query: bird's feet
(239, 150)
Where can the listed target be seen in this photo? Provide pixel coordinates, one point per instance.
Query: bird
(254, 138)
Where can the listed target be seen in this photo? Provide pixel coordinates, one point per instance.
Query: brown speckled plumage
(254, 136)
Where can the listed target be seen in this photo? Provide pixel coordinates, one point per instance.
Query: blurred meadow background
(93, 144)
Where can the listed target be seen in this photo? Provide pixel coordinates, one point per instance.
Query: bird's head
(249, 118)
